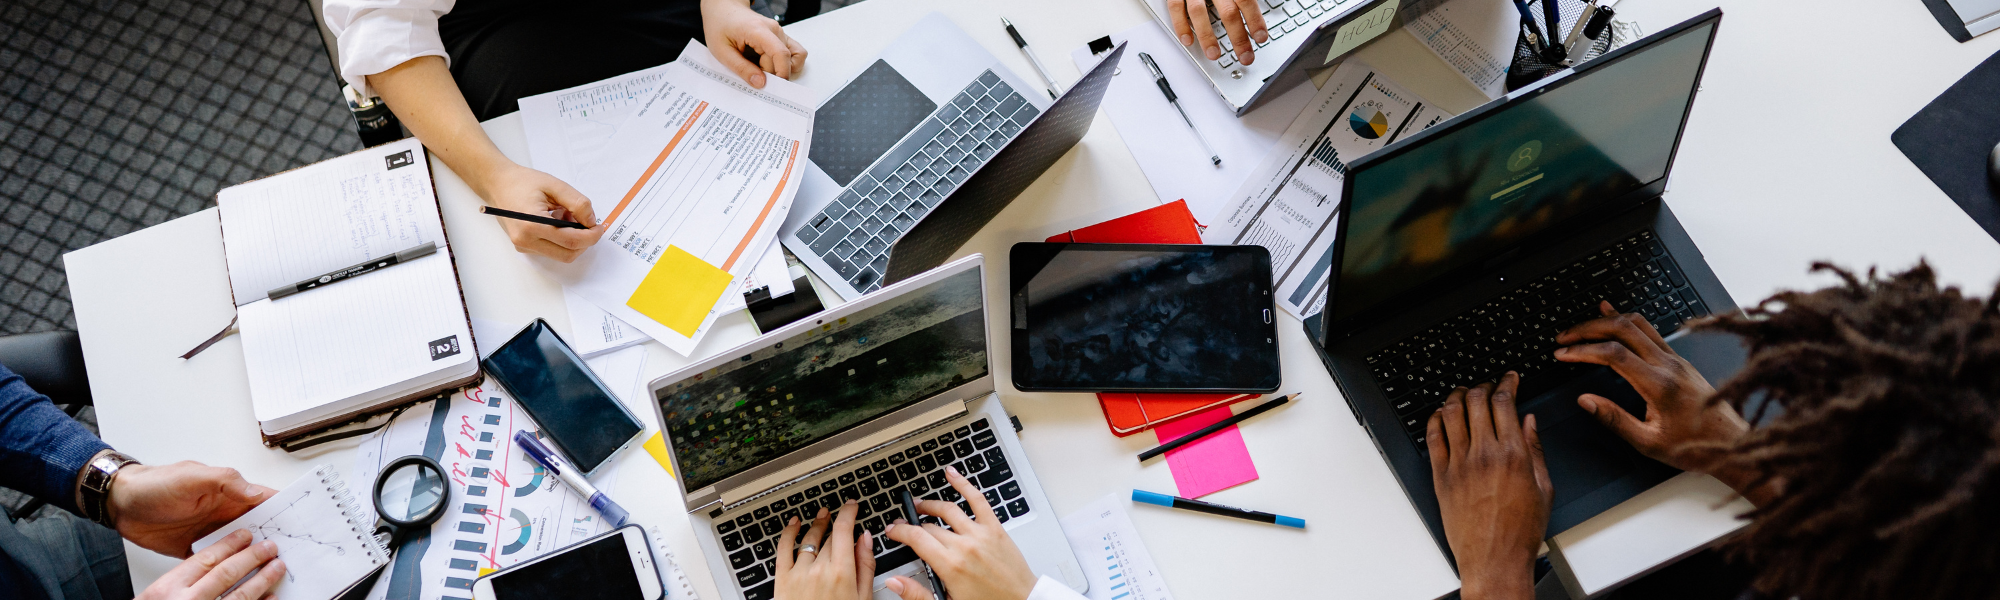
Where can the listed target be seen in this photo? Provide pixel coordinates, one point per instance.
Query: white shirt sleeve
(376, 35)
(1050, 589)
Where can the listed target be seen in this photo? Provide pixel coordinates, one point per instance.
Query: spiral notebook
(672, 579)
(313, 522)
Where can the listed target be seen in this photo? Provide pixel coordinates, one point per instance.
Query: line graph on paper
(312, 524)
(294, 542)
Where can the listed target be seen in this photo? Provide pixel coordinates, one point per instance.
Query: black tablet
(1142, 318)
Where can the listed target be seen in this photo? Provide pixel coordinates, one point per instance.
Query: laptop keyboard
(1517, 329)
(1281, 17)
(750, 540)
(854, 233)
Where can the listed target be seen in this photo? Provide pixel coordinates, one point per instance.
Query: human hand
(975, 558)
(521, 189)
(836, 570)
(167, 508)
(1493, 488)
(730, 27)
(1240, 19)
(1682, 428)
(205, 575)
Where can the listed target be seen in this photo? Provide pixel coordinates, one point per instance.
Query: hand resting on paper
(209, 572)
(1240, 20)
(731, 28)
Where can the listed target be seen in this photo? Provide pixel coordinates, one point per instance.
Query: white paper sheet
(1162, 144)
(1475, 37)
(504, 508)
(708, 165)
(1113, 557)
(1288, 205)
(566, 128)
(313, 522)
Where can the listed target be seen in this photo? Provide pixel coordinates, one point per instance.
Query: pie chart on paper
(1368, 122)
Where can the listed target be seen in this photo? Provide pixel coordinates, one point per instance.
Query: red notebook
(1171, 223)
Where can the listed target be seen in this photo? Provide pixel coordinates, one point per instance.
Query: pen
(570, 477)
(910, 516)
(370, 266)
(1214, 427)
(1215, 509)
(1576, 33)
(521, 216)
(1160, 78)
(1553, 19)
(1534, 34)
(1023, 44)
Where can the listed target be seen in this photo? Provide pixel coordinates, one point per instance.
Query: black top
(503, 50)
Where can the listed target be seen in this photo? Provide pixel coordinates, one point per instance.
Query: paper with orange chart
(692, 189)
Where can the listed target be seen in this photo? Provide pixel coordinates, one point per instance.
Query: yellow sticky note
(483, 571)
(679, 291)
(657, 446)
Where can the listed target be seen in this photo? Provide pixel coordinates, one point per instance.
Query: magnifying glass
(410, 494)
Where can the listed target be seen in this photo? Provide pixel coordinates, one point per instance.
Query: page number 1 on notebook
(401, 159)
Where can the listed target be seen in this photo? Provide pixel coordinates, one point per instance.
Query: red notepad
(1171, 223)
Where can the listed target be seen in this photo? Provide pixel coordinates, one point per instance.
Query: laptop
(1305, 35)
(861, 401)
(923, 147)
(1464, 249)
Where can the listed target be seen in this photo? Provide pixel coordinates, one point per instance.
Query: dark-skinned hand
(1493, 489)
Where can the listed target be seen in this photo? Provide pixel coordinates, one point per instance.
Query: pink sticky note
(1211, 464)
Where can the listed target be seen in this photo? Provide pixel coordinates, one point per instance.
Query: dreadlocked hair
(1886, 445)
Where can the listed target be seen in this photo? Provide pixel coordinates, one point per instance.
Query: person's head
(1887, 450)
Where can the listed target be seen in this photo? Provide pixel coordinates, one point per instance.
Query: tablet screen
(1101, 317)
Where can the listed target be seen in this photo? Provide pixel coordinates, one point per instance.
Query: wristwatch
(93, 489)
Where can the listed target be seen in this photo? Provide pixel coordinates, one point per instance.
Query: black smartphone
(1142, 318)
(614, 565)
(576, 412)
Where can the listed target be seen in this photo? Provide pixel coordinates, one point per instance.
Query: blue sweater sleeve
(41, 449)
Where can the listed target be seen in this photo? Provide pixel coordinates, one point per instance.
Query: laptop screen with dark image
(787, 395)
(865, 119)
(1475, 191)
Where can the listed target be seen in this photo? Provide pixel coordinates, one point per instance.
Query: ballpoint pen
(1160, 78)
(1555, 53)
(910, 516)
(1023, 44)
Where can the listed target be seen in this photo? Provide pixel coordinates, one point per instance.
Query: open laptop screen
(787, 395)
(1471, 192)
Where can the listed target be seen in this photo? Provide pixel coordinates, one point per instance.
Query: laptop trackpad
(1584, 458)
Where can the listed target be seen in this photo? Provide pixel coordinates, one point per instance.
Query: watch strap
(94, 490)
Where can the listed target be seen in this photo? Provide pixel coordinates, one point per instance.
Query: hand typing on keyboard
(1493, 488)
(1241, 23)
(826, 572)
(1682, 428)
(974, 557)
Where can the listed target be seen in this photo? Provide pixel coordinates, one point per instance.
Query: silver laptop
(922, 148)
(861, 401)
(1305, 35)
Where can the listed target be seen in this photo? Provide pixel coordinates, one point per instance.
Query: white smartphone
(615, 565)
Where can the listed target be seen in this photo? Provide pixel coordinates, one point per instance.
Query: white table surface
(1786, 160)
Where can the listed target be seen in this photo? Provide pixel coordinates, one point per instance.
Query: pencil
(1214, 427)
(501, 212)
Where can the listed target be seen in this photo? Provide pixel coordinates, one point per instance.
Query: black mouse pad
(1950, 139)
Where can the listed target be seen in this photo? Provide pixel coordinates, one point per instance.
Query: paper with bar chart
(692, 188)
(1111, 554)
(1289, 202)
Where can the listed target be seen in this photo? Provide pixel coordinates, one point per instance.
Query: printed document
(1113, 557)
(1475, 37)
(1288, 204)
(702, 173)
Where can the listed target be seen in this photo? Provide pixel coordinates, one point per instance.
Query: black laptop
(1465, 249)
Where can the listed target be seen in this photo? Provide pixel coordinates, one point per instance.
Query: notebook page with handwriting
(312, 220)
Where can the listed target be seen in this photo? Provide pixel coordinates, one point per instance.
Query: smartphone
(578, 415)
(615, 565)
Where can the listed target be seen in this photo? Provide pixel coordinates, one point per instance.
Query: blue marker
(1215, 509)
(549, 460)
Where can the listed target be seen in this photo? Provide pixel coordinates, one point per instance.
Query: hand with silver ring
(845, 572)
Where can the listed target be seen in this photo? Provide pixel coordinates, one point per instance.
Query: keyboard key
(937, 480)
(741, 559)
(988, 79)
(1018, 508)
(993, 498)
(722, 527)
(887, 479)
(995, 476)
(918, 486)
(761, 592)
(772, 527)
(880, 502)
(984, 439)
(974, 464)
(763, 550)
(733, 541)
(906, 471)
(926, 463)
(1010, 490)
(1026, 114)
(749, 577)
(944, 455)
(1012, 103)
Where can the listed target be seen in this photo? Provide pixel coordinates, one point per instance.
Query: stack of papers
(693, 171)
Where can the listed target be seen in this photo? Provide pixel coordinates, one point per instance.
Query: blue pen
(612, 513)
(1215, 509)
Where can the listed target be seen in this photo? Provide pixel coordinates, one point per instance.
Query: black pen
(1023, 44)
(1160, 79)
(1214, 427)
(358, 270)
(521, 216)
(910, 516)
(1159, 499)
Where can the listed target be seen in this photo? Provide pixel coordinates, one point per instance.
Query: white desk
(1786, 160)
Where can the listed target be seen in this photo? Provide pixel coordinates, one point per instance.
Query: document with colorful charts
(1114, 559)
(1288, 204)
(692, 189)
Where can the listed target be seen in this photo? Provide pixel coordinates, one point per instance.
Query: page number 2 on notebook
(441, 348)
(401, 159)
